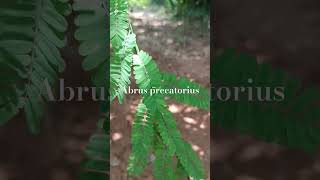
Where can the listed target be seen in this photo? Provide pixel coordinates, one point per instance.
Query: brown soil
(179, 47)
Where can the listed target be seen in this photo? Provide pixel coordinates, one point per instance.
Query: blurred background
(176, 34)
(286, 34)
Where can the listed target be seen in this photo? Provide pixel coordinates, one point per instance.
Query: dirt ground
(177, 46)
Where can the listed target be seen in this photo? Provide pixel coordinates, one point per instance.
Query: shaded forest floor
(178, 46)
(240, 157)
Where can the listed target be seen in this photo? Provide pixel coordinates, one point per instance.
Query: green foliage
(163, 165)
(292, 122)
(30, 37)
(190, 8)
(139, 3)
(154, 129)
(122, 43)
(120, 67)
(146, 72)
(119, 22)
(141, 140)
(93, 33)
(171, 137)
(199, 99)
(96, 165)
(32, 34)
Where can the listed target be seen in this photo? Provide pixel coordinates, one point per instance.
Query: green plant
(33, 33)
(190, 8)
(96, 164)
(93, 34)
(139, 3)
(154, 129)
(293, 121)
(30, 37)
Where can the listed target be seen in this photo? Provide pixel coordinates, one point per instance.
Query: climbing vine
(154, 129)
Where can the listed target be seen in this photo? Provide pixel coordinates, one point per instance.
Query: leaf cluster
(293, 121)
(31, 34)
(154, 131)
